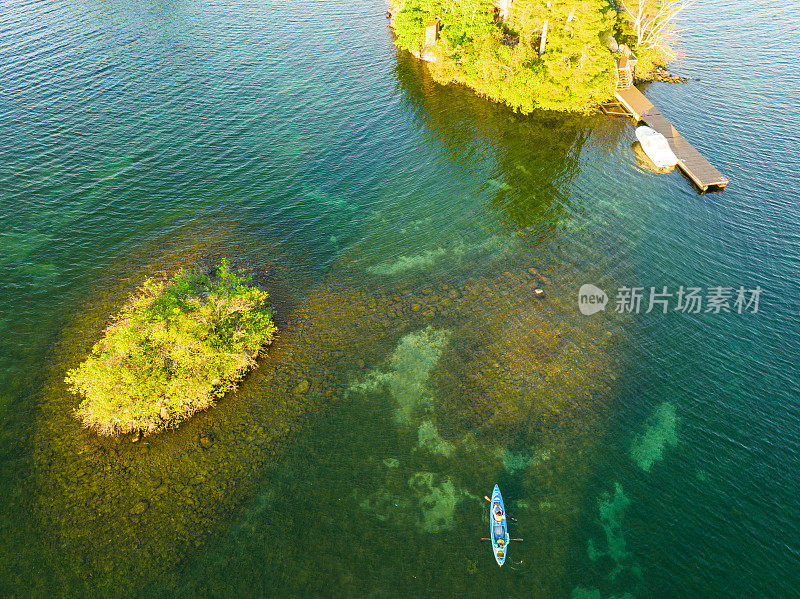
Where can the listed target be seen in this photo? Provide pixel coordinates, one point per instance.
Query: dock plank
(693, 164)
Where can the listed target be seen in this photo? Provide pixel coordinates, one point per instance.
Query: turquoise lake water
(401, 228)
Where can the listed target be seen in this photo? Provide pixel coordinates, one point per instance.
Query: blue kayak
(498, 526)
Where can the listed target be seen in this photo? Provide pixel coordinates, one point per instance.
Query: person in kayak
(498, 511)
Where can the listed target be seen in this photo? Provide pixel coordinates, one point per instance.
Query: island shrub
(176, 346)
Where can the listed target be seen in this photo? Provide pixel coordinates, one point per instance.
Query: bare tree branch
(653, 22)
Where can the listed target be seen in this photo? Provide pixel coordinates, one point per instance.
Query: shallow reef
(480, 379)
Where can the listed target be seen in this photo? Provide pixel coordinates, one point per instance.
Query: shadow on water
(471, 174)
(533, 159)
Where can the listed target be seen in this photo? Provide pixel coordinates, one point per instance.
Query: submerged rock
(438, 500)
(140, 508)
(612, 510)
(302, 387)
(429, 439)
(427, 501)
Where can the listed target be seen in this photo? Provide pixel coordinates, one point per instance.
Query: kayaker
(498, 512)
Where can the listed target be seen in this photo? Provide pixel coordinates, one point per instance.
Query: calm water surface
(400, 228)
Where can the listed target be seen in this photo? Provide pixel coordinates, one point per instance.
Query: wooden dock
(698, 170)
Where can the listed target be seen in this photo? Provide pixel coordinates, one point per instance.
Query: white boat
(656, 147)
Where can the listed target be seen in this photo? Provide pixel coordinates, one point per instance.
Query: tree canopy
(501, 61)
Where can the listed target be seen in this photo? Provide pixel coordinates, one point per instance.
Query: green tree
(462, 22)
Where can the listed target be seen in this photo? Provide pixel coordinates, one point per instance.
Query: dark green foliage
(174, 348)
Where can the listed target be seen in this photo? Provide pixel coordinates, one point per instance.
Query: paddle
(488, 539)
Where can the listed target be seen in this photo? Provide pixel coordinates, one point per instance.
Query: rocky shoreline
(659, 74)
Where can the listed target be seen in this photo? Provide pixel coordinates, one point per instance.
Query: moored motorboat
(656, 147)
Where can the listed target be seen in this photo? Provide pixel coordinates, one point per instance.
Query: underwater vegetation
(425, 259)
(585, 593)
(424, 498)
(410, 366)
(175, 347)
(611, 509)
(519, 462)
(660, 432)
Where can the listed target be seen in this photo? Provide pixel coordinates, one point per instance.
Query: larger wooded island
(550, 54)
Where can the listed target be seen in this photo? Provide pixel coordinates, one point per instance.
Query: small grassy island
(549, 54)
(175, 347)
